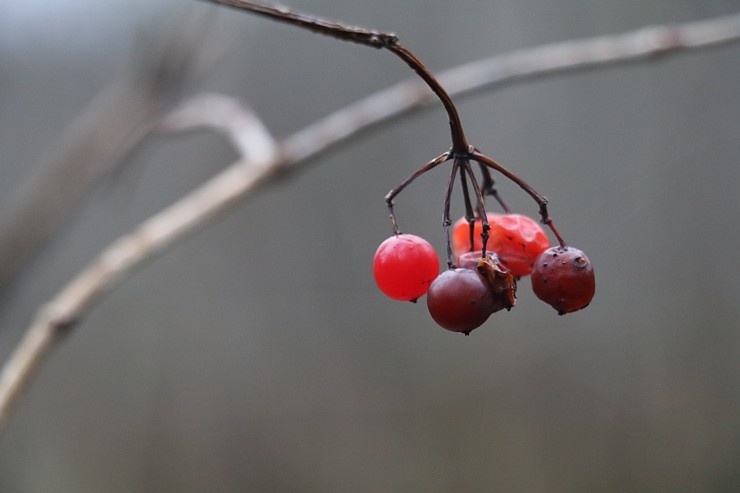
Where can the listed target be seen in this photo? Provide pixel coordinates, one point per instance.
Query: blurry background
(258, 355)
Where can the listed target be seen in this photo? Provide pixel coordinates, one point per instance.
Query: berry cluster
(476, 284)
(482, 282)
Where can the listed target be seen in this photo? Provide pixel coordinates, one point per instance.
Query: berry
(460, 300)
(404, 266)
(517, 239)
(461, 236)
(563, 277)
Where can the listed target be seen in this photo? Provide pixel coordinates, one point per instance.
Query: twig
(153, 235)
(239, 180)
(646, 44)
(367, 37)
(95, 143)
(234, 119)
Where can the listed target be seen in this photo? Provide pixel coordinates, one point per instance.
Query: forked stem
(540, 199)
(381, 40)
(489, 188)
(392, 194)
(377, 39)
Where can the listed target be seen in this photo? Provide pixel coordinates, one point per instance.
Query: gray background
(258, 355)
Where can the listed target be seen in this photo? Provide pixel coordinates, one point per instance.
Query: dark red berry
(460, 300)
(563, 277)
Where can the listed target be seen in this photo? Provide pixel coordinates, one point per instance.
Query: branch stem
(416, 174)
(368, 37)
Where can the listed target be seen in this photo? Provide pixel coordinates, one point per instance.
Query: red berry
(404, 266)
(460, 300)
(461, 236)
(517, 239)
(563, 277)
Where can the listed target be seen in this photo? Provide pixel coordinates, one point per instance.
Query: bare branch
(645, 44)
(339, 30)
(95, 143)
(235, 119)
(518, 66)
(238, 181)
(152, 236)
(356, 34)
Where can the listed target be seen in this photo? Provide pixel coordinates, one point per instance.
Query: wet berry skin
(563, 277)
(460, 300)
(404, 267)
(517, 239)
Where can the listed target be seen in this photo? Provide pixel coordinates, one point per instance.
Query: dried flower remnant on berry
(500, 281)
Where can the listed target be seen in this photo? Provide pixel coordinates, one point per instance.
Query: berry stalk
(367, 37)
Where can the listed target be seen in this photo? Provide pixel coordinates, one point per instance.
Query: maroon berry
(563, 277)
(460, 300)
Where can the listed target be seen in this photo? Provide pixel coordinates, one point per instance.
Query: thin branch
(390, 196)
(65, 310)
(368, 37)
(238, 181)
(96, 142)
(335, 29)
(646, 44)
(246, 133)
(643, 45)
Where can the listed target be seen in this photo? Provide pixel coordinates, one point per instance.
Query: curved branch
(95, 144)
(368, 37)
(646, 44)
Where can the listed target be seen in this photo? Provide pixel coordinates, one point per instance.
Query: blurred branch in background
(95, 143)
(262, 159)
(644, 45)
